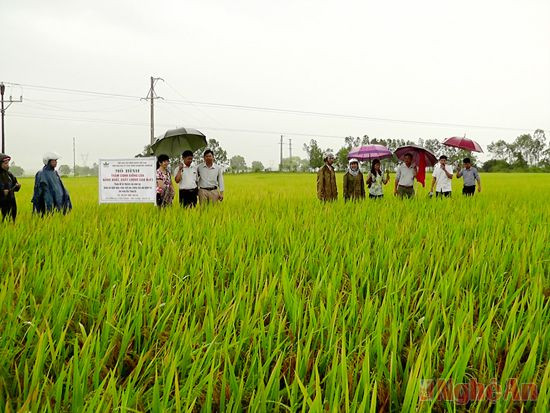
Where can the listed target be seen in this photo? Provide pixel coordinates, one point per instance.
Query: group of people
(202, 183)
(354, 183)
(50, 195)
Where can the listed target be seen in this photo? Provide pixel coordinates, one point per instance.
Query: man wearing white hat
(50, 194)
(326, 180)
(8, 187)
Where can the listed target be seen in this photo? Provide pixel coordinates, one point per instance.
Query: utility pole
(290, 153)
(281, 163)
(74, 156)
(152, 95)
(3, 110)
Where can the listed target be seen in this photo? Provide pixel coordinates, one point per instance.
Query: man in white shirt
(441, 178)
(186, 177)
(211, 185)
(404, 178)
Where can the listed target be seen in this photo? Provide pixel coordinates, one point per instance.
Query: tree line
(527, 153)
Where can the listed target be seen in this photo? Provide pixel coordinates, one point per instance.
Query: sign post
(123, 181)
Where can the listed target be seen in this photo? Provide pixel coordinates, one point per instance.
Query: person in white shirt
(211, 185)
(441, 178)
(187, 177)
(404, 177)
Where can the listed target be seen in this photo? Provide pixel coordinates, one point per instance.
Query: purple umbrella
(370, 152)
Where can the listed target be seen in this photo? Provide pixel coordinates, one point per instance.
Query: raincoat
(50, 194)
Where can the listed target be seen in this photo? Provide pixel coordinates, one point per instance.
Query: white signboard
(127, 180)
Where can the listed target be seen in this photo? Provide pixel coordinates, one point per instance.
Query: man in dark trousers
(187, 178)
(8, 187)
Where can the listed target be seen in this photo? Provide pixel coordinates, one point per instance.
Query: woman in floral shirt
(165, 190)
(376, 180)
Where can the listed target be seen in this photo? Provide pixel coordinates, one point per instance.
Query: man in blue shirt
(470, 175)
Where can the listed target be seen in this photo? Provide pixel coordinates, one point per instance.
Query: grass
(273, 301)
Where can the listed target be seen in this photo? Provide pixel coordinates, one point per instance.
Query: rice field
(272, 301)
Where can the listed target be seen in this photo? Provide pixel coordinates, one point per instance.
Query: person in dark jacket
(354, 184)
(326, 180)
(50, 194)
(8, 187)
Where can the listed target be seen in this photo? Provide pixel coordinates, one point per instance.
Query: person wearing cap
(326, 180)
(211, 185)
(354, 185)
(50, 194)
(376, 180)
(186, 177)
(8, 187)
(442, 176)
(404, 177)
(470, 176)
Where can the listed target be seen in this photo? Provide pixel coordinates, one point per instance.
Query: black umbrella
(175, 141)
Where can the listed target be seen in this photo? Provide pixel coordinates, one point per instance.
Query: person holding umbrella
(187, 177)
(354, 185)
(8, 187)
(326, 180)
(470, 176)
(376, 180)
(404, 178)
(165, 190)
(441, 178)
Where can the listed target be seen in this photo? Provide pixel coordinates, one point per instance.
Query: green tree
(237, 164)
(304, 165)
(501, 150)
(257, 166)
(291, 164)
(65, 170)
(314, 153)
(496, 165)
(86, 170)
(220, 155)
(16, 170)
(435, 146)
(539, 143)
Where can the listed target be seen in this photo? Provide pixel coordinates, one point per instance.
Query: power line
(191, 103)
(282, 110)
(141, 124)
(55, 108)
(74, 91)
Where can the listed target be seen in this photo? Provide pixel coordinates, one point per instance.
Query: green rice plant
(273, 301)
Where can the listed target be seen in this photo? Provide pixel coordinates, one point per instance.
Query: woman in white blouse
(376, 180)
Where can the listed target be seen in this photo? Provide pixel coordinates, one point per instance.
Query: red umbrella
(418, 153)
(463, 143)
(421, 157)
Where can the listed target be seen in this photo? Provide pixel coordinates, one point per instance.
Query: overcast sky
(467, 62)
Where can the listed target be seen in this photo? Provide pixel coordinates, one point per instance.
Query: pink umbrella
(370, 152)
(463, 143)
